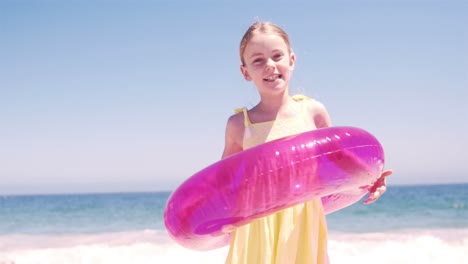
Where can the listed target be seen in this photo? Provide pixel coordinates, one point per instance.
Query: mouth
(273, 78)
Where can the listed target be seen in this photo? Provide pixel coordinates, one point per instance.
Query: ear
(292, 60)
(245, 73)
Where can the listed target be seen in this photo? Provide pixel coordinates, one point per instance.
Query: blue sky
(101, 96)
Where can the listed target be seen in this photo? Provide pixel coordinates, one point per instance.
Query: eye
(257, 60)
(278, 56)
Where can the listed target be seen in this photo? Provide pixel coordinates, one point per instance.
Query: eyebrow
(261, 54)
(256, 54)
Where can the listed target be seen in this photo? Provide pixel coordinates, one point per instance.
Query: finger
(386, 173)
(381, 190)
(375, 195)
(377, 184)
(372, 197)
(369, 201)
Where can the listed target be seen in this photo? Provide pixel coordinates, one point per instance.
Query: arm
(233, 143)
(234, 135)
(321, 120)
(320, 115)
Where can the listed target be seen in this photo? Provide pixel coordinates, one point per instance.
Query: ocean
(408, 224)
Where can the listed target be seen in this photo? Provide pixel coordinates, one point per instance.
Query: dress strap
(297, 98)
(246, 116)
(300, 98)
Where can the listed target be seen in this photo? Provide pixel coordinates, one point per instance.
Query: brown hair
(262, 27)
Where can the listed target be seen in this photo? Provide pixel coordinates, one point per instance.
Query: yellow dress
(296, 235)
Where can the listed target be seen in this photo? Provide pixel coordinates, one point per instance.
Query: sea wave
(155, 246)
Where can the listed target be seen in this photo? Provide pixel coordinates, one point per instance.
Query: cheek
(286, 68)
(255, 72)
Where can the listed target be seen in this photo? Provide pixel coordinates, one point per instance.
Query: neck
(273, 103)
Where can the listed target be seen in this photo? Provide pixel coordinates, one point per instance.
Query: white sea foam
(429, 246)
(410, 246)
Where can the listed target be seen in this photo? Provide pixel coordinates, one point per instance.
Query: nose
(270, 64)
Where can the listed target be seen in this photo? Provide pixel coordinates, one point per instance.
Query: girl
(297, 234)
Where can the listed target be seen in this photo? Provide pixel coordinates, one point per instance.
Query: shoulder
(236, 121)
(315, 106)
(234, 134)
(317, 111)
(312, 105)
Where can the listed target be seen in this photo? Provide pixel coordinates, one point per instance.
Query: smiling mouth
(273, 78)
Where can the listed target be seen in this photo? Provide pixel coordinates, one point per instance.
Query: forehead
(263, 42)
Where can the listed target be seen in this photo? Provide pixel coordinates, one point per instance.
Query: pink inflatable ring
(337, 164)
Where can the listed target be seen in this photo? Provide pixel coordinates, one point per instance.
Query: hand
(378, 188)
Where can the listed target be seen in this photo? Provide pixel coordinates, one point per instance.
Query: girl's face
(268, 63)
